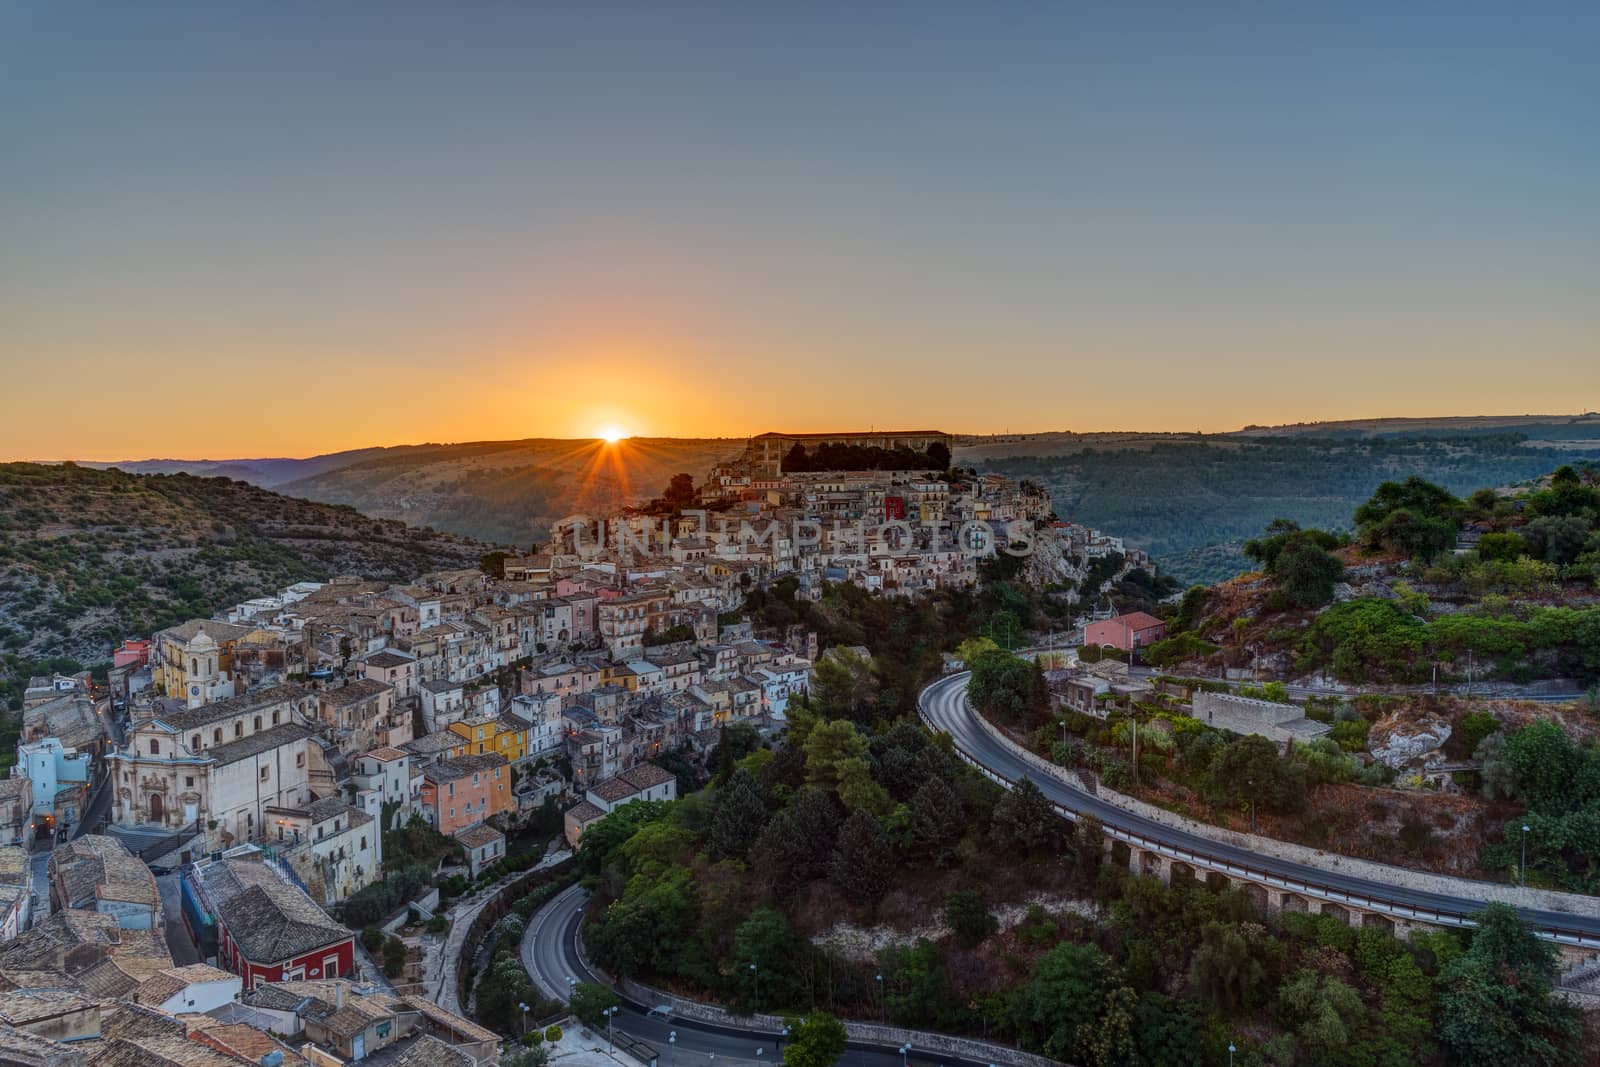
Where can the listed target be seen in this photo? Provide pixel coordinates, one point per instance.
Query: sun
(612, 434)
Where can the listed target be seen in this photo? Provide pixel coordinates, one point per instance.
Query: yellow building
(506, 736)
(194, 662)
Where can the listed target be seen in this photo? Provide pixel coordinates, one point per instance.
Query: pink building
(1126, 632)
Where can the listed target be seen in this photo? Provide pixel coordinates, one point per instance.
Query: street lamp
(882, 1008)
(1230, 1054)
(672, 1044)
(1251, 783)
(1063, 731)
(608, 1013)
(524, 1008)
(905, 1049)
(781, 1035)
(755, 983)
(1524, 855)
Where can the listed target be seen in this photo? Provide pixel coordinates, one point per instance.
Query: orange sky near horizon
(284, 230)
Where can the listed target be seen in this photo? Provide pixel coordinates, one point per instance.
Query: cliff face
(88, 557)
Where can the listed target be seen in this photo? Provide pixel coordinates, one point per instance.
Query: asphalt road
(550, 955)
(944, 706)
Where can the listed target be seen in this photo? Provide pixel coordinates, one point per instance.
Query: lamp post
(905, 1050)
(1230, 1054)
(524, 1008)
(781, 1035)
(608, 1013)
(1063, 731)
(672, 1045)
(1524, 855)
(755, 987)
(883, 1010)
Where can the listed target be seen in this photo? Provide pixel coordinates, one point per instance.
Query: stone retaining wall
(1381, 873)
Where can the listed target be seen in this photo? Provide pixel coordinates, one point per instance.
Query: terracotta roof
(584, 812)
(647, 775)
(452, 769)
(387, 753)
(353, 692)
(261, 741)
(98, 867)
(269, 919)
(217, 710)
(480, 835)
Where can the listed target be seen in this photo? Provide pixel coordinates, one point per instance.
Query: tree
(589, 1003)
(1024, 819)
(766, 940)
(494, 563)
(1251, 769)
(968, 917)
(1556, 539)
(1007, 687)
(552, 1034)
(1543, 764)
(680, 492)
(939, 456)
(797, 843)
(1061, 1002)
(861, 863)
(843, 686)
(936, 818)
(829, 749)
(737, 817)
(1225, 970)
(1325, 1013)
(1496, 1003)
(818, 1040)
(1307, 573)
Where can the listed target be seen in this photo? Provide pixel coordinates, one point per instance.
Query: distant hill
(1191, 500)
(504, 491)
(90, 556)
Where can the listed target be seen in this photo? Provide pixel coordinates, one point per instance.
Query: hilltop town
(252, 808)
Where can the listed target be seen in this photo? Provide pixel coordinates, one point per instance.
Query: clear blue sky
(504, 220)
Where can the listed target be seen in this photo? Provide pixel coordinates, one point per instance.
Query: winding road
(944, 707)
(550, 954)
(550, 944)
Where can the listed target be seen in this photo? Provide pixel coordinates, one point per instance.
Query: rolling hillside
(503, 491)
(90, 556)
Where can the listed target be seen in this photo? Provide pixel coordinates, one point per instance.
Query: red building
(1126, 632)
(267, 929)
(894, 509)
(134, 652)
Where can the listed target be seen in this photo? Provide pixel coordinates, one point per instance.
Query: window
(216, 736)
(155, 747)
(275, 718)
(299, 759)
(188, 782)
(363, 841)
(258, 722)
(264, 772)
(238, 728)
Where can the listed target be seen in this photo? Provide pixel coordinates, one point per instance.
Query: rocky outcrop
(1402, 740)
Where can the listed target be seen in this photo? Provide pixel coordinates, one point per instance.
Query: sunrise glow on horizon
(535, 222)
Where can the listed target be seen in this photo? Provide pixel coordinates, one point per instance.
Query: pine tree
(860, 866)
(738, 817)
(1024, 819)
